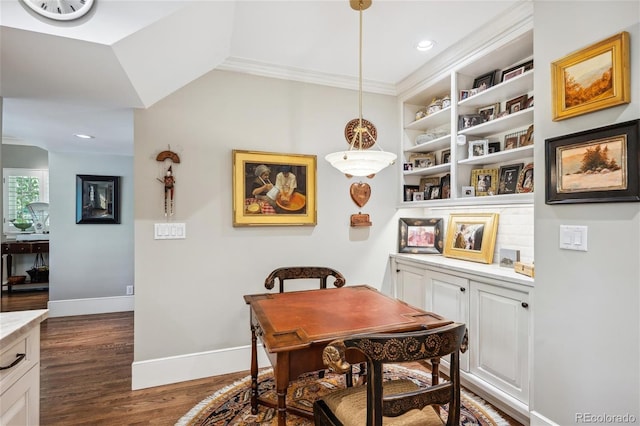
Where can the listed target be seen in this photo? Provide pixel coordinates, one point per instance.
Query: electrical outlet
(129, 290)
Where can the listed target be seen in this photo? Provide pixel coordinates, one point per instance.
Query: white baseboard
(538, 419)
(164, 371)
(98, 305)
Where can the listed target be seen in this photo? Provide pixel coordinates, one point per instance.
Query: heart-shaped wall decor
(360, 193)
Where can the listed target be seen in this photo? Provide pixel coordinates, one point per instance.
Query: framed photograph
(525, 180)
(516, 104)
(418, 196)
(469, 120)
(273, 189)
(509, 257)
(527, 138)
(409, 190)
(484, 81)
(445, 186)
(434, 193)
(494, 147)
(468, 191)
(464, 94)
(508, 181)
(423, 160)
(485, 181)
(530, 101)
(512, 72)
(478, 148)
(489, 112)
(592, 78)
(420, 236)
(445, 156)
(426, 182)
(97, 199)
(471, 236)
(598, 165)
(512, 140)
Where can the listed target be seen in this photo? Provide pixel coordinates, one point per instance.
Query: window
(21, 187)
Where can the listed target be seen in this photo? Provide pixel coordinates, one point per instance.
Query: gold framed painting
(271, 189)
(471, 236)
(592, 78)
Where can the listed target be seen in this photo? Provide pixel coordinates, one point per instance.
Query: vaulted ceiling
(58, 79)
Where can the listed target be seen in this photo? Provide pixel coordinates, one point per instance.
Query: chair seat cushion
(350, 406)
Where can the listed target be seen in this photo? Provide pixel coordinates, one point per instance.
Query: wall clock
(60, 10)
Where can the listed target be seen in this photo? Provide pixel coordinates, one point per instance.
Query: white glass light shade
(359, 162)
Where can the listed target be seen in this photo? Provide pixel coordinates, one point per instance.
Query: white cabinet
(442, 133)
(494, 303)
(20, 376)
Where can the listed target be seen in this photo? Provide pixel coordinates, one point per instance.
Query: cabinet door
(411, 285)
(20, 403)
(448, 295)
(499, 338)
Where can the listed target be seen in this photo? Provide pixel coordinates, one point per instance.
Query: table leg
(254, 371)
(282, 383)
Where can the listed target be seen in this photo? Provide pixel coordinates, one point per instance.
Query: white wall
(586, 316)
(189, 292)
(86, 260)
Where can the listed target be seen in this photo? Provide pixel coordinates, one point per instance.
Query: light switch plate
(573, 237)
(170, 231)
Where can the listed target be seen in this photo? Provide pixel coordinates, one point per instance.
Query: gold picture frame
(271, 189)
(592, 78)
(485, 181)
(471, 236)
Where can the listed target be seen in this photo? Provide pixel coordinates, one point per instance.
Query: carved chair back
(304, 272)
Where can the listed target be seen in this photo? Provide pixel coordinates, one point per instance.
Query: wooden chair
(304, 272)
(400, 402)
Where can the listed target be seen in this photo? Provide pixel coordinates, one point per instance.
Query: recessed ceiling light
(81, 136)
(425, 45)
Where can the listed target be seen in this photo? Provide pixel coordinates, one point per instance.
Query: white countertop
(16, 324)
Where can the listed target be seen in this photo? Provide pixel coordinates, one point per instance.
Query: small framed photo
(516, 104)
(478, 148)
(408, 192)
(494, 147)
(445, 156)
(97, 199)
(445, 186)
(530, 101)
(484, 81)
(485, 181)
(434, 193)
(420, 236)
(469, 120)
(407, 167)
(427, 182)
(471, 236)
(512, 140)
(527, 138)
(525, 180)
(509, 257)
(468, 191)
(489, 112)
(418, 196)
(423, 160)
(464, 94)
(512, 72)
(509, 178)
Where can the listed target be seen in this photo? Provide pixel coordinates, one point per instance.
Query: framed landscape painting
(591, 79)
(598, 165)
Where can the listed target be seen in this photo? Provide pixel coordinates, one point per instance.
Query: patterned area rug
(232, 405)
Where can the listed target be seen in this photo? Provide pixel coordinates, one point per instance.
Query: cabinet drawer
(15, 248)
(27, 345)
(40, 248)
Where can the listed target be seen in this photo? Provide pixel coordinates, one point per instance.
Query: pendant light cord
(360, 128)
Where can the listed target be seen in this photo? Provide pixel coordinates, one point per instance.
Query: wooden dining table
(294, 327)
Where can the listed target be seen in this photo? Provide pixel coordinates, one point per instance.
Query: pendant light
(361, 134)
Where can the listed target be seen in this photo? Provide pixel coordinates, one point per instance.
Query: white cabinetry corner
(494, 303)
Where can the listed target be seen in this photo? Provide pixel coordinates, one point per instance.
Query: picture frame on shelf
(525, 180)
(464, 94)
(434, 193)
(273, 207)
(485, 181)
(97, 199)
(468, 191)
(512, 72)
(509, 257)
(494, 147)
(418, 196)
(426, 182)
(478, 148)
(599, 165)
(471, 236)
(422, 160)
(508, 178)
(445, 186)
(592, 78)
(512, 140)
(516, 104)
(484, 81)
(445, 156)
(530, 102)
(420, 236)
(489, 112)
(466, 121)
(527, 139)
(408, 191)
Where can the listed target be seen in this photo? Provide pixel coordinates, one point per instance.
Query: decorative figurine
(168, 180)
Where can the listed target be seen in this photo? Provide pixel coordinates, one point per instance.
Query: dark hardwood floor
(85, 372)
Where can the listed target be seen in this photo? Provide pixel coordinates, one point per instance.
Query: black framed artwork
(594, 166)
(97, 199)
(420, 236)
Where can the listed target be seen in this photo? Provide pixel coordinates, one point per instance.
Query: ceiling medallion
(368, 130)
